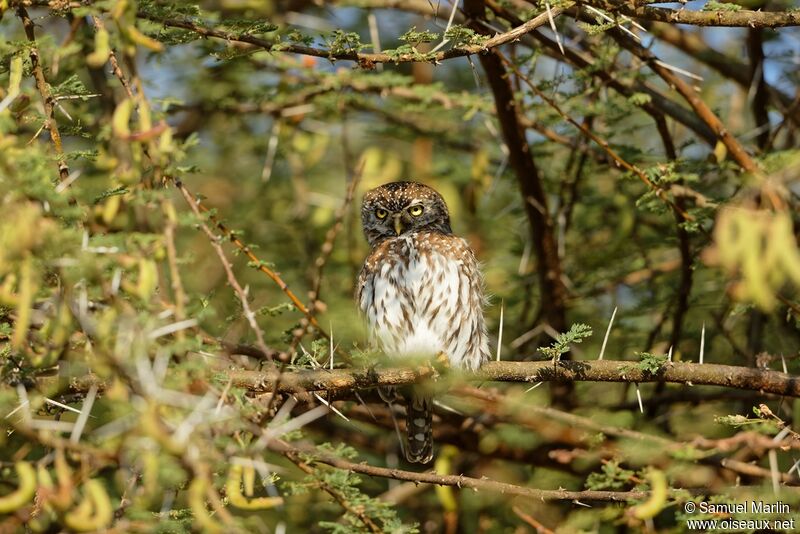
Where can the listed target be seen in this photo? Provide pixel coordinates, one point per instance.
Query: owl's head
(398, 208)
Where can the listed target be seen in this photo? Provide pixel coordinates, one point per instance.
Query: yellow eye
(416, 211)
(381, 214)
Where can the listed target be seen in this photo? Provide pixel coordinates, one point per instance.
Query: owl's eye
(381, 214)
(416, 211)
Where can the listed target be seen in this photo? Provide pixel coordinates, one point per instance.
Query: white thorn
(702, 342)
(553, 27)
(679, 70)
(445, 407)
(536, 385)
(272, 150)
(500, 335)
(18, 408)
(62, 186)
(172, 328)
(223, 396)
(445, 40)
(331, 348)
(783, 362)
(86, 409)
(60, 405)
(608, 331)
(326, 403)
(794, 468)
(669, 354)
(292, 424)
(639, 397)
(773, 468)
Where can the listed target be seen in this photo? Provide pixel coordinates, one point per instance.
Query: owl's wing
(469, 313)
(364, 287)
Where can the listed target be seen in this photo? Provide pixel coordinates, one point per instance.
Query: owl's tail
(419, 426)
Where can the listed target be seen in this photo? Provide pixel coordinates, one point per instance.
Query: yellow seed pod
(24, 305)
(249, 480)
(139, 38)
(165, 143)
(121, 117)
(658, 496)
(720, 151)
(197, 503)
(150, 483)
(726, 236)
(169, 211)
(96, 514)
(444, 466)
(145, 119)
(63, 498)
(24, 492)
(233, 489)
(111, 207)
(148, 279)
(787, 251)
(102, 49)
(119, 9)
(15, 79)
(150, 424)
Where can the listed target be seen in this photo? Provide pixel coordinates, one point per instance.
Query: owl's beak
(398, 225)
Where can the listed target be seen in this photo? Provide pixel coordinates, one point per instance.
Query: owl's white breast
(413, 301)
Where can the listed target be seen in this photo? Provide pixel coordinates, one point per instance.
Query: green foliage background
(94, 275)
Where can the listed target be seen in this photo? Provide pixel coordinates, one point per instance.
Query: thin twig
(459, 481)
(44, 90)
(249, 253)
(237, 288)
(364, 59)
(630, 167)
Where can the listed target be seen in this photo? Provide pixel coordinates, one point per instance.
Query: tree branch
(530, 183)
(363, 59)
(747, 378)
(458, 481)
(44, 90)
(742, 18)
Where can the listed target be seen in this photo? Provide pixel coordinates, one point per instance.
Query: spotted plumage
(421, 292)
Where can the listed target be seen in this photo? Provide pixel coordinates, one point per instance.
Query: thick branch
(747, 378)
(742, 18)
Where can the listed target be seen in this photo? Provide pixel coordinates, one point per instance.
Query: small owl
(421, 292)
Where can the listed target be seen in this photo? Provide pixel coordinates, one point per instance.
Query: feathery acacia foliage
(179, 240)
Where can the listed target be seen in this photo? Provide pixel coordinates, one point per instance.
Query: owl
(421, 292)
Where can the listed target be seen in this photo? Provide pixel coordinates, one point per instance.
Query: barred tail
(419, 426)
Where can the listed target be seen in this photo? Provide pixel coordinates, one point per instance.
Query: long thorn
(608, 331)
(702, 342)
(500, 334)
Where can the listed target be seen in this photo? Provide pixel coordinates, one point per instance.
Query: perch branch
(747, 378)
